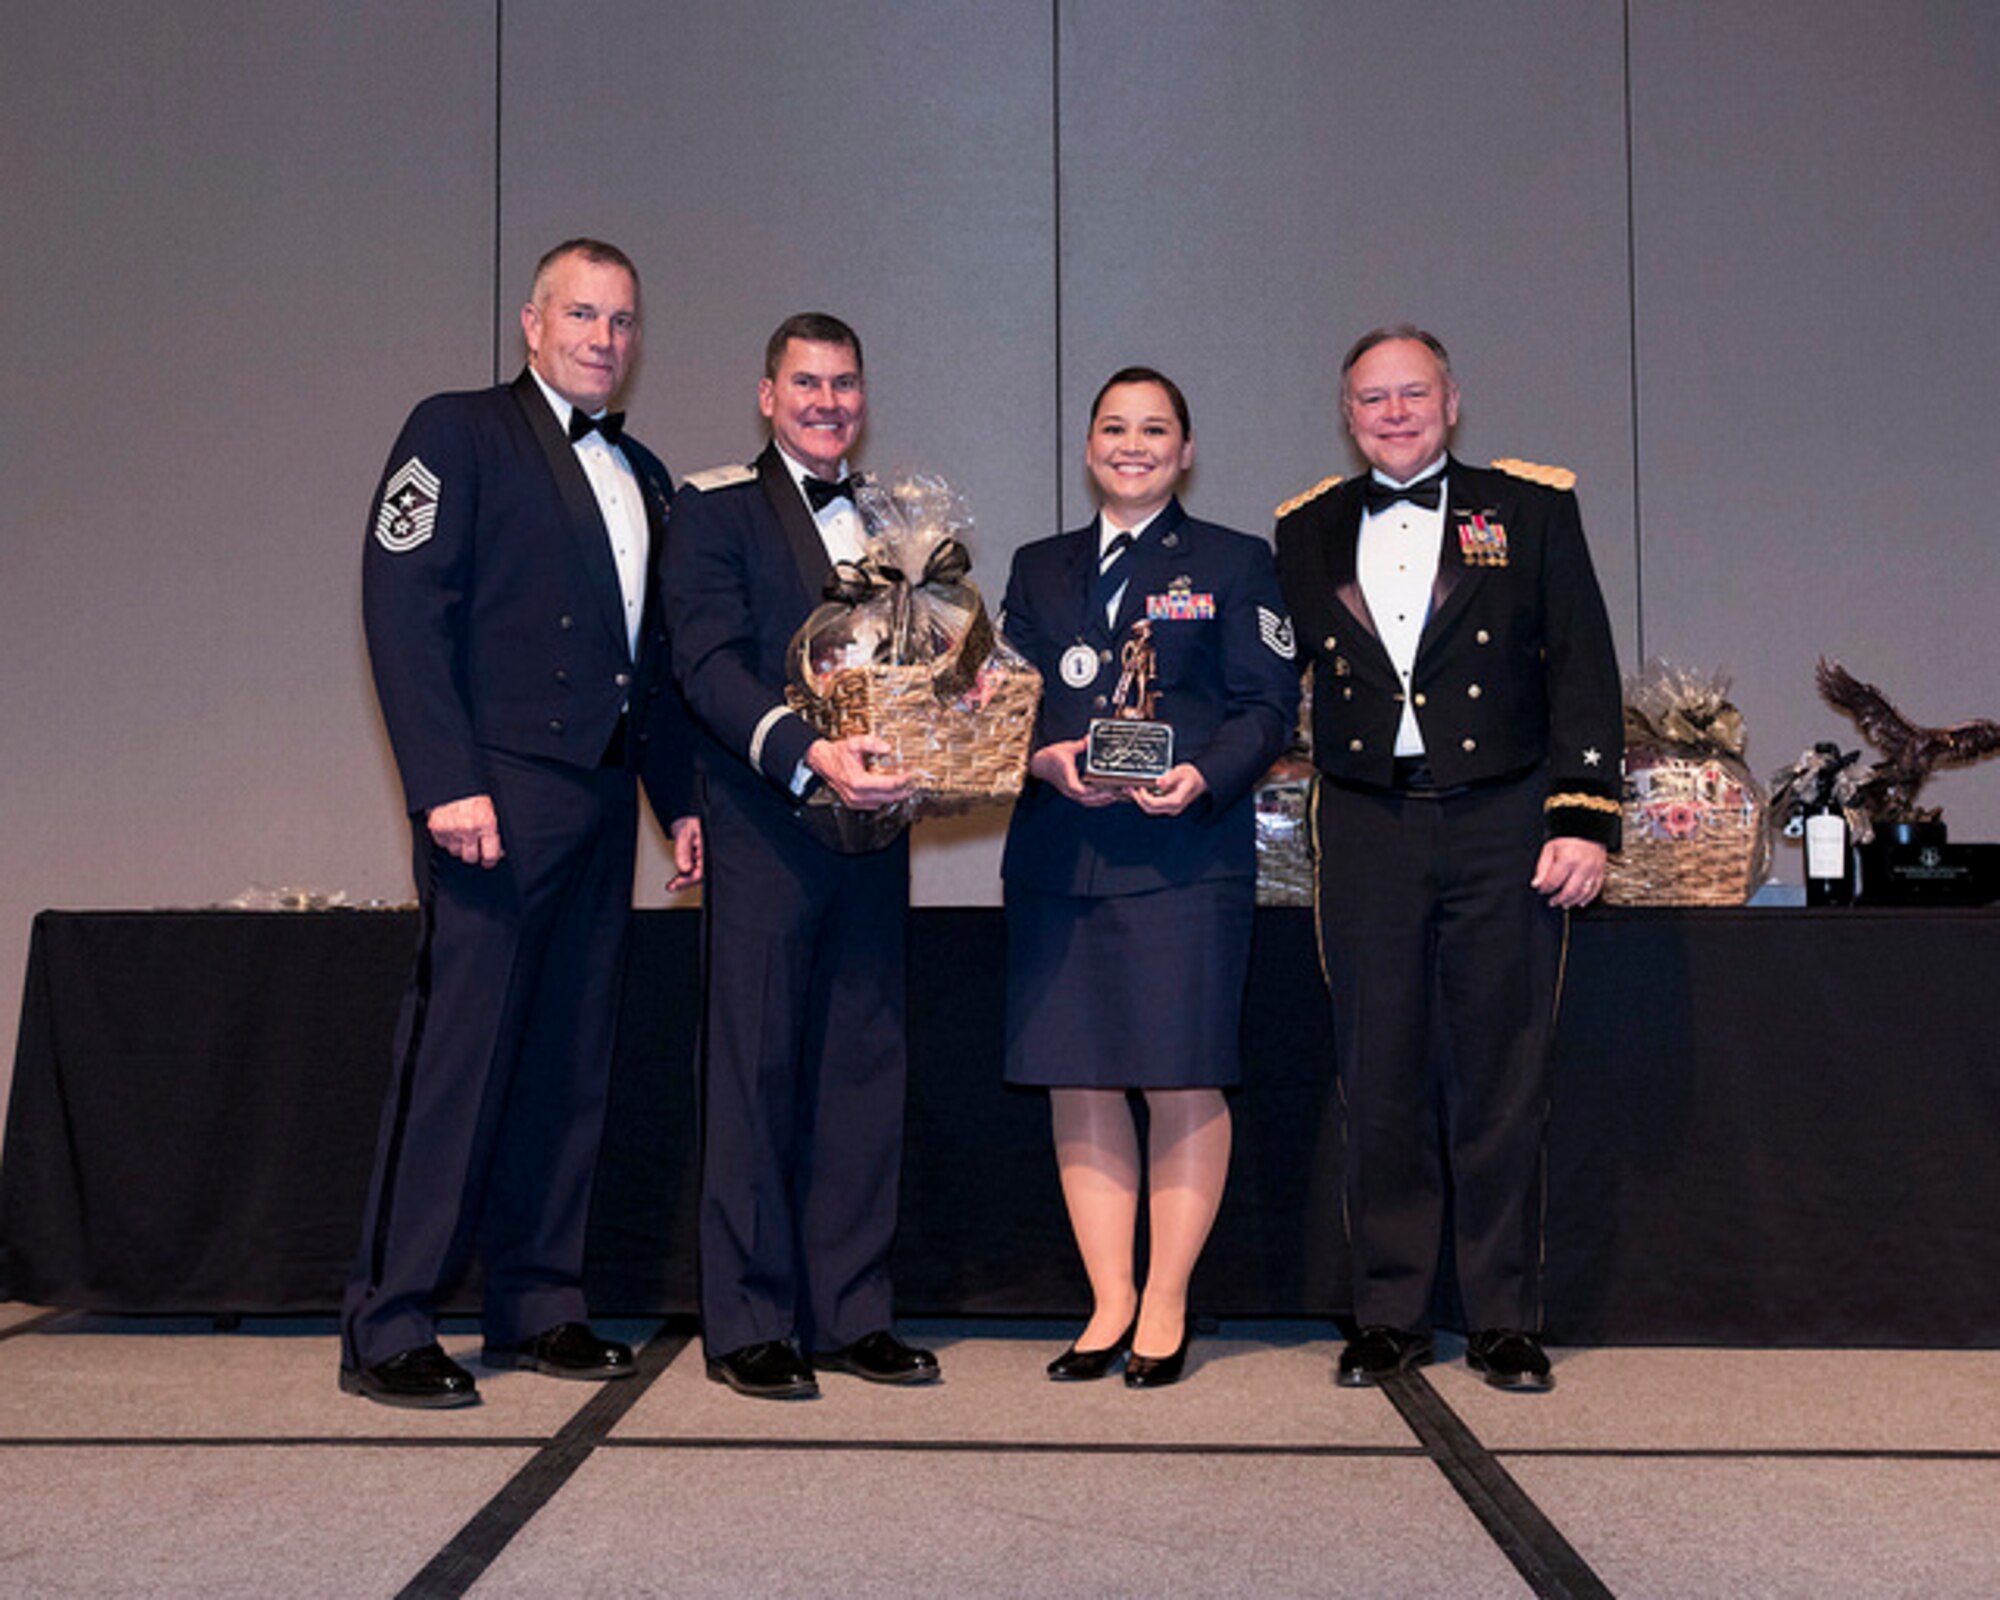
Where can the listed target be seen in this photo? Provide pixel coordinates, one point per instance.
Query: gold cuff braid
(1586, 802)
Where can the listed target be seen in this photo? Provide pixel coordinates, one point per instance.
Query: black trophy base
(1927, 873)
(1127, 750)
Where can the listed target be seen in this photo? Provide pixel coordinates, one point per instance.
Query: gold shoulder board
(1298, 500)
(1535, 472)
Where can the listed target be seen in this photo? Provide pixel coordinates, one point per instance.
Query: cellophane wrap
(1284, 818)
(1696, 821)
(903, 648)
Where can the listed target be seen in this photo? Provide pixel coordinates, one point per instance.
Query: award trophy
(1129, 747)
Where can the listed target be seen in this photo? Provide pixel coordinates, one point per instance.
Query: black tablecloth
(1771, 1126)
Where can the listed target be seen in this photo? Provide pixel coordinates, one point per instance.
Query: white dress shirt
(840, 531)
(838, 521)
(1396, 563)
(618, 498)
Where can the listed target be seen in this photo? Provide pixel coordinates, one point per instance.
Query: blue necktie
(1110, 575)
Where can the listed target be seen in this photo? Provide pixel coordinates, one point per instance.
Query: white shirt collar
(800, 471)
(1397, 483)
(1107, 530)
(557, 403)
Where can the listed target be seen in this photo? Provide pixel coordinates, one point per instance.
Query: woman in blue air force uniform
(1129, 909)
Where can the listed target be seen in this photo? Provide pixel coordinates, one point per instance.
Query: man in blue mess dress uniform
(803, 1056)
(514, 626)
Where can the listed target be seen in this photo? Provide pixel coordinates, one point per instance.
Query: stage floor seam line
(1036, 1447)
(37, 1324)
(1545, 1559)
(719, 1443)
(1613, 1452)
(476, 1546)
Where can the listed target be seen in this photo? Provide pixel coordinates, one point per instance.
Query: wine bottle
(1829, 861)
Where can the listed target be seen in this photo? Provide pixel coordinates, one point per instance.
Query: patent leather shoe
(1156, 1372)
(424, 1378)
(1079, 1366)
(1510, 1359)
(771, 1370)
(1379, 1352)
(880, 1357)
(568, 1350)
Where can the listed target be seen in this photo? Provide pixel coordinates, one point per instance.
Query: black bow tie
(581, 424)
(820, 493)
(1425, 492)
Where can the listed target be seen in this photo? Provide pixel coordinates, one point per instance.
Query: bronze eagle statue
(1910, 754)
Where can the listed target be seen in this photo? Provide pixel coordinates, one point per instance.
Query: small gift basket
(1284, 820)
(1694, 816)
(904, 649)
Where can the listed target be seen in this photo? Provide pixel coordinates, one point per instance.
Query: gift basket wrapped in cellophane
(1695, 819)
(903, 648)
(1284, 818)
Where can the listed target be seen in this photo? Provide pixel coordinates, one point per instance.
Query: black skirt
(1137, 991)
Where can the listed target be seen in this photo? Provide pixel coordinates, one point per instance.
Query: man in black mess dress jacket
(1467, 730)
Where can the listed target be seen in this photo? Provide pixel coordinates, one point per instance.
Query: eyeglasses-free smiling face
(1400, 407)
(816, 404)
(1136, 451)
(582, 329)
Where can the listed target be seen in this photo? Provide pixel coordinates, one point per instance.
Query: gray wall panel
(1818, 224)
(889, 164)
(1246, 189)
(241, 244)
(246, 238)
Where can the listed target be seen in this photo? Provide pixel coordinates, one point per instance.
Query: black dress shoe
(1077, 1366)
(881, 1357)
(424, 1378)
(1510, 1359)
(1379, 1352)
(1156, 1372)
(772, 1370)
(569, 1350)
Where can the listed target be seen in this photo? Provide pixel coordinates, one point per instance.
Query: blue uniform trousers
(803, 1069)
(495, 1106)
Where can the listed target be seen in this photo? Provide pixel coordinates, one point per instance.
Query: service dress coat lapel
(1339, 555)
(1148, 565)
(1457, 581)
(801, 532)
(653, 615)
(1080, 579)
(586, 521)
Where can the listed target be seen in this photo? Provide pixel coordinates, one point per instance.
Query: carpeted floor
(150, 1457)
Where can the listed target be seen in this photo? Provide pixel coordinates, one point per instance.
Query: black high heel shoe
(1075, 1366)
(1156, 1372)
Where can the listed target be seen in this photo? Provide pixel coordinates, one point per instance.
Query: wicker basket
(971, 749)
(1695, 829)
